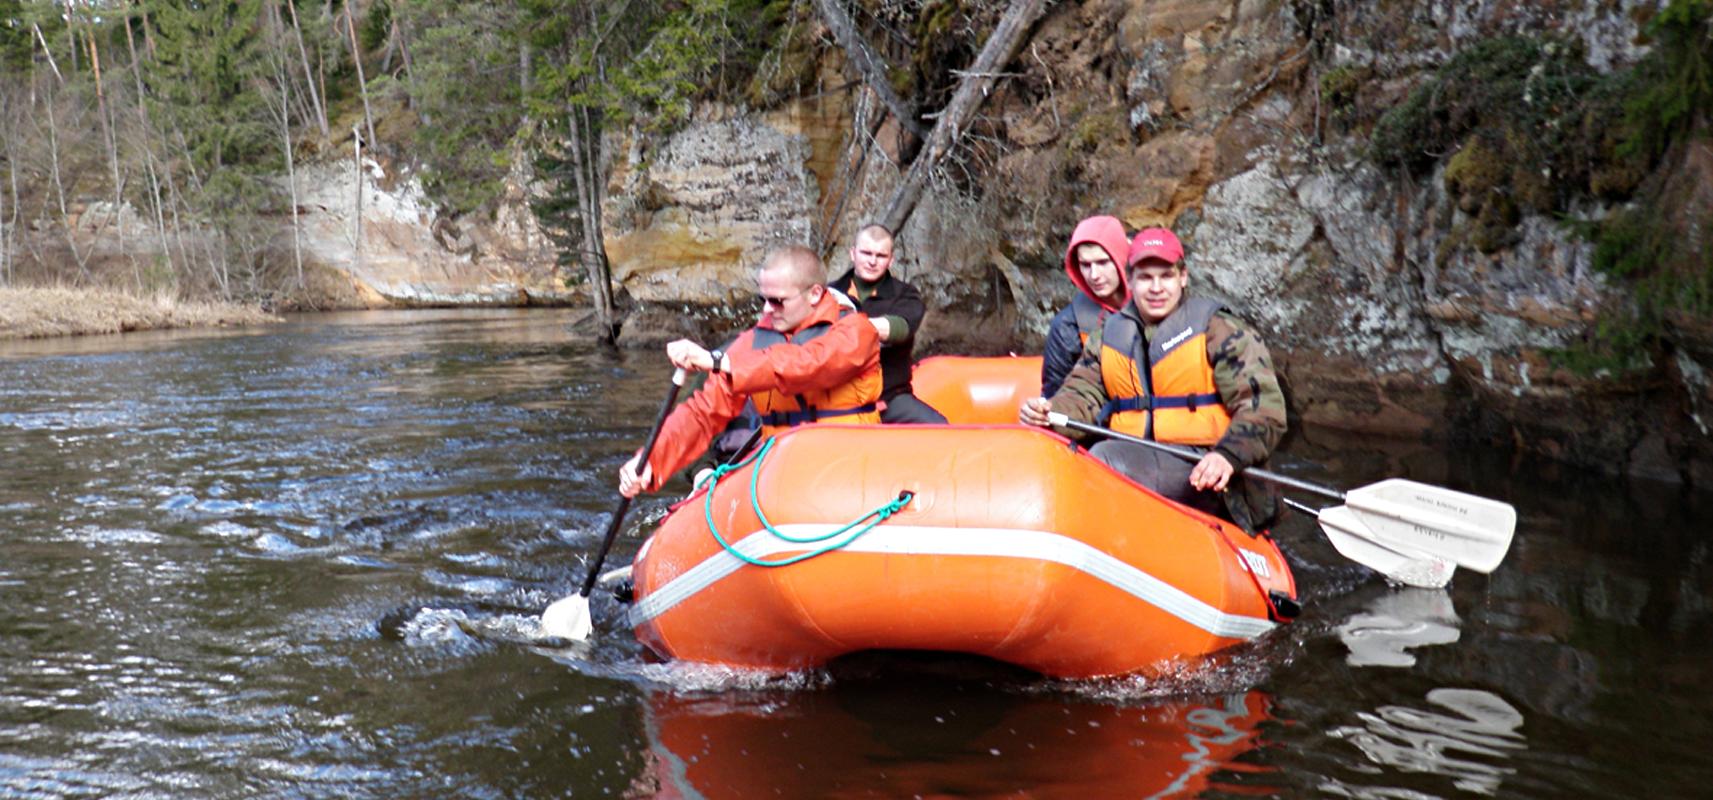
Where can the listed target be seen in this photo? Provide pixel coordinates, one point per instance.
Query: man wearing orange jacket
(812, 358)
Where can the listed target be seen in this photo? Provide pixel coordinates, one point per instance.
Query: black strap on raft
(1282, 608)
(790, 418)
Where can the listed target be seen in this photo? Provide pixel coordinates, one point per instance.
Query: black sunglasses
(776, 302)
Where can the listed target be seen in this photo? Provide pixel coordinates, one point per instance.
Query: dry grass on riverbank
(33, 313)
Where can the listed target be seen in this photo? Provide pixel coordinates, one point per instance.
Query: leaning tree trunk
(585, 170)
(869, 63)
(362, 82)
(972, 90)
(308, 75)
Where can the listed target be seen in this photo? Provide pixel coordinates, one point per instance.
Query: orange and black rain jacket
(826, 371)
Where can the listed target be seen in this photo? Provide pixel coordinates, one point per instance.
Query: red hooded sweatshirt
(1107, 232)
(1066, 333)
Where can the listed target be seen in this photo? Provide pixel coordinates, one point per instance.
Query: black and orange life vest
(1163, 388)
(1090, 316)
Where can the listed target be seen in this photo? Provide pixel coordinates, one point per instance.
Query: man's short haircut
(875, 230)
(799, 262)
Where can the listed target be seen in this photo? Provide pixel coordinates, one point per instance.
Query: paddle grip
(624, 502)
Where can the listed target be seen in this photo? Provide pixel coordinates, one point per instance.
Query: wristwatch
(717, 355)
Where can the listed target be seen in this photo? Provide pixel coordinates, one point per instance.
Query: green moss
(1338, 86)
(1339, 90)
(1095, 126)
(1473, 173)
(1532, 129)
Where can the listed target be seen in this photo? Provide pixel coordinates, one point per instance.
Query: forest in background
(189, 120)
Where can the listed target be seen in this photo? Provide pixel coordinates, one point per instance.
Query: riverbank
(29, 313)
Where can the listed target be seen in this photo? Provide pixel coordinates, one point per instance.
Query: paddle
(1403, 529)
(568, 617)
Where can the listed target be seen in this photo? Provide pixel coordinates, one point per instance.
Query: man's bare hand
(1212, 472)
(1034, 411)
(688, 355)
(630, 483)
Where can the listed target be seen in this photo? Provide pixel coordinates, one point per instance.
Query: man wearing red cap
(1180, 370)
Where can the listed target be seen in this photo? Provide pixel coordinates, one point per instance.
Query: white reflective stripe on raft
(1003, 542)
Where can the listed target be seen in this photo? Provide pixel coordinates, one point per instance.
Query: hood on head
(1107, 232)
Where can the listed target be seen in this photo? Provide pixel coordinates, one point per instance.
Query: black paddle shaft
(1192, 455)
(624, 503)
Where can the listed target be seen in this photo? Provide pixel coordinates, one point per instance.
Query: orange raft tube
(1013, 546)
(977, 390)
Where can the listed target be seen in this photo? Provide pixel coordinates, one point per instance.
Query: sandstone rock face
(412, 255)
(708, 205)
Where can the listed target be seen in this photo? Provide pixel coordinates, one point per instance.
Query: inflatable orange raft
(1011, 545)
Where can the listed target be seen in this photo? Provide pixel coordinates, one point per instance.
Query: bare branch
(869, 63)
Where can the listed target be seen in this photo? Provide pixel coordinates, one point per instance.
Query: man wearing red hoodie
(1094, 259)
(811, 358)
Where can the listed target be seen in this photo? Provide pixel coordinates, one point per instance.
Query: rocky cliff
(1243, 125)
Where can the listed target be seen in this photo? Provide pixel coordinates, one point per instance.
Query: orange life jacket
(1174, 398)
(856, 402)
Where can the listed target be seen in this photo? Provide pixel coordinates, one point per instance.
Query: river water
(300, 561)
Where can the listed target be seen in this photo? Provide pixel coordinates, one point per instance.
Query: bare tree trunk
(524, 68)
(47, 51)
(362, 82)
(148, 151)
(112, 141)
(185, 260)
(71, 38)
(148, 36)
(308, 77)
(972, 90)
(282, 74)
(216, 265)
(409, 71)
(59, 193)
(585, 169)
(863, 130)
(7, 230)
(357, 218)
(869, 63)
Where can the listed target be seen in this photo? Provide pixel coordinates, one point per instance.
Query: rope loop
(834, 539)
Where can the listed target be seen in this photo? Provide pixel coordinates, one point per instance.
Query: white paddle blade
(568, 618)
(1472, 531)
(1357, 543)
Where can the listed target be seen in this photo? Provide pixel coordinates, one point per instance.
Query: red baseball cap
(1155, 243)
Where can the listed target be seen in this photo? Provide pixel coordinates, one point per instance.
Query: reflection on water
(306, 561)
(947, 740)
(1396, 621)
(1469, 745)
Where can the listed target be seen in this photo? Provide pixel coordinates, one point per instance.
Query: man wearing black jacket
(896, 309)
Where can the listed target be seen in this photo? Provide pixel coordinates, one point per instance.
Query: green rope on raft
(849, 532)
